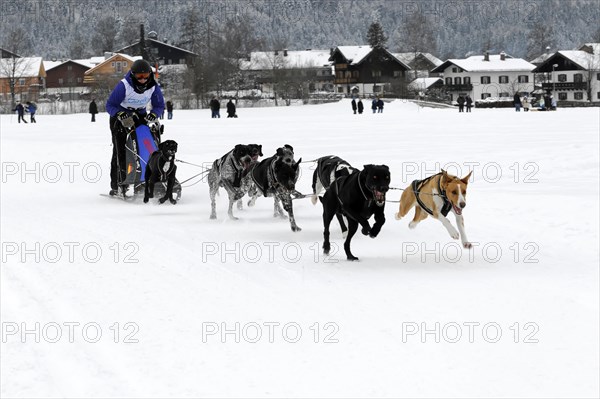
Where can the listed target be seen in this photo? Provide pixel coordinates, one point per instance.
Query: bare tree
(106, 34)
(540, 36)
(418, 37)
(15, 67)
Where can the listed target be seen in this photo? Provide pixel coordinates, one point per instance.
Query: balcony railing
(565, 86)
(342, 81)
(462, 87)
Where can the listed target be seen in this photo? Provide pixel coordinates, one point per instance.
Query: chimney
(108, 54)
(503, 56)
(486, 56)
(285, 52)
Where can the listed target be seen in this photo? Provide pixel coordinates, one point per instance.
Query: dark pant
(93, 117)
(117, 163)
(22, 117)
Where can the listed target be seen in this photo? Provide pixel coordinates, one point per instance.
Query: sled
(139, 145)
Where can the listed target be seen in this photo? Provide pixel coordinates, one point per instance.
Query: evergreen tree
(375, 36)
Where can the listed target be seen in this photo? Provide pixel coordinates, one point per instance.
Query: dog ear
(466, 178)
(260, 150)
(445, 179)
(289, 147)
(279, 152)
(297, 164)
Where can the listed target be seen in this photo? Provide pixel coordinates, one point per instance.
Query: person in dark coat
(231, 109)
(354, 105)
(31, 108)
(517, 102)
(374, 105)
(360, 106)
(215, 107)
(461, 103)
(20, 111)
(547, 102)
(169, 110)
(468, 102)
(380, 105)
(93, 109)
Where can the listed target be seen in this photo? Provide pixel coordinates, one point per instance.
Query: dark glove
(151, 117)
(126, 120)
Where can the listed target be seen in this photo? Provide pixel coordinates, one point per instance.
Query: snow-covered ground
(146, 300)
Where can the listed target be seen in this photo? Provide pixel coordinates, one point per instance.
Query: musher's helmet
(141, 75)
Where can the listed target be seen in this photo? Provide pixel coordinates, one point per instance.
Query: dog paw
(172, 201)
(326, 248)
(213, 216)
(351, 258)
(397, 216)
(467, 245)
(296, 228)
(412, 225)
(146, 200)
(365, 231)
(454, 234)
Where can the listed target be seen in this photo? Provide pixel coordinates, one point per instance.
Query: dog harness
(418, 184)
(168, 166)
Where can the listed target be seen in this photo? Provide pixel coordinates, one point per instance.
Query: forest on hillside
(64, 29)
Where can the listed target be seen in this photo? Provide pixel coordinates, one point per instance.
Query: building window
(467, 80)
(376, 89)
(355, 74)
(340, 89)
(523, 79)
(504, 94)
(562, 96)
(454, 69)
(562, 77)
(598, 95)
(598, 76)
(397, 74)
(578, 78)
(503, 79)
(376, 74)
(448, 81)
(457, 81)
(578, 95)
(485, 95)
(486, 80)
(69, 67)
(21, 82)
(348, 74)
(60, 81)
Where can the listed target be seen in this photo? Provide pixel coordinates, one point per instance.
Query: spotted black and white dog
(228, 172)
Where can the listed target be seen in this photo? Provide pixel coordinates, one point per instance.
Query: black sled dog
(161, 168)
(357, 196)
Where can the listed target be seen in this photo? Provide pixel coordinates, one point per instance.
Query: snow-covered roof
(261, 60)
(408, 58)
(105, 60)
(53, 64)
(423, 83)
(354, 54)
(476, 63)
(26, 67)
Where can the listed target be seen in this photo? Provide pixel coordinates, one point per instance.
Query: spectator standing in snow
(93, 109)
(553, 103)
(468, 102)
(169, 110)
(517, 102)
(380, 105)
(360, 106)
(231, 109)
(461, 103)
(525, 103)
(31, 108)
(215, 107)
(20, 112)
(127, 108)
(354, 105)
(374, 105)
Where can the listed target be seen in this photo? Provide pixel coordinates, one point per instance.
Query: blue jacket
(124, 98)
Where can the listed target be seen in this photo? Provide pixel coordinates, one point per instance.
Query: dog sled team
(352, 195)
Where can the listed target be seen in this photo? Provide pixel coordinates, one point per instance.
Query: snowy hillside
(147, 300)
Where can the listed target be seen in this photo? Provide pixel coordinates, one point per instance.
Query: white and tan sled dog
(435, 196)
